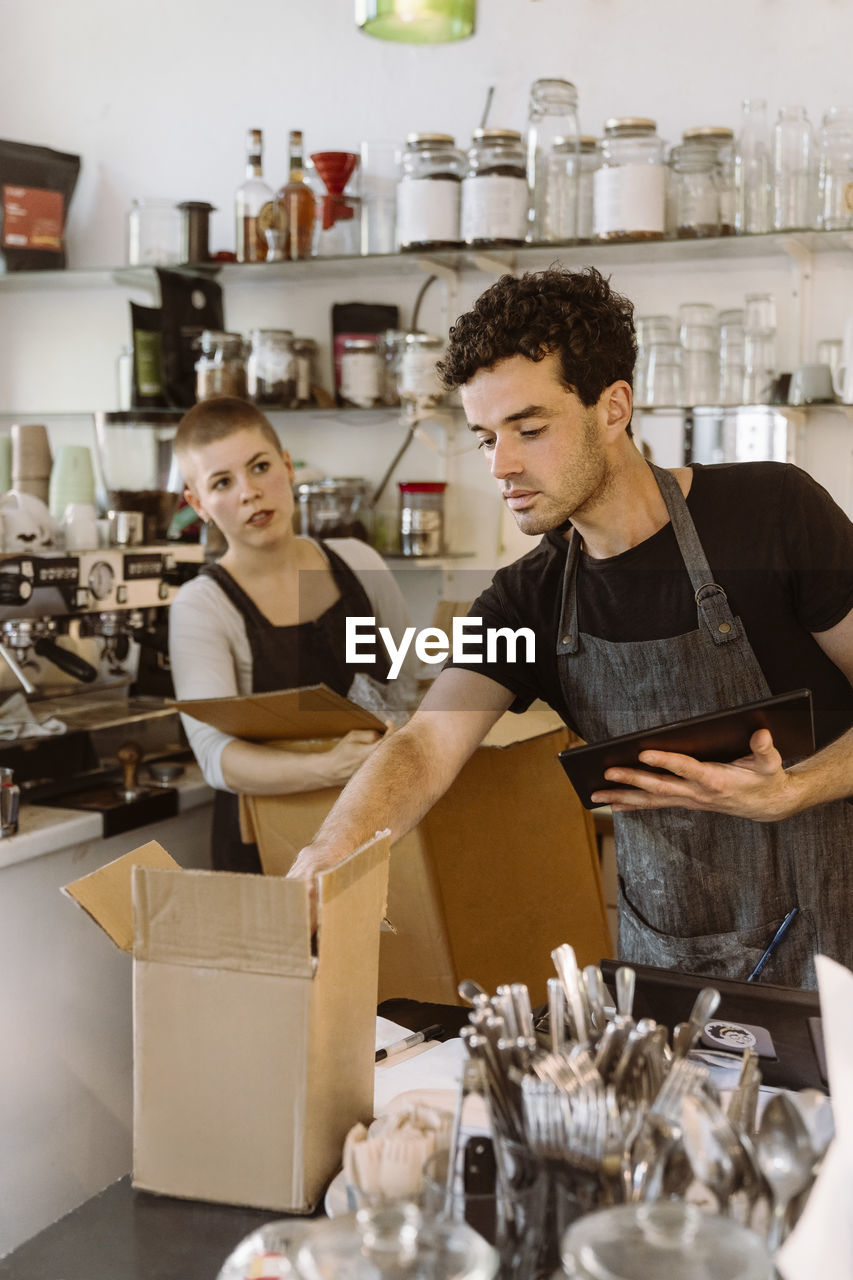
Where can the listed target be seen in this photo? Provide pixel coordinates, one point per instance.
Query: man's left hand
(755, 786)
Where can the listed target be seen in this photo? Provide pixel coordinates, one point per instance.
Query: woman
(269, 615)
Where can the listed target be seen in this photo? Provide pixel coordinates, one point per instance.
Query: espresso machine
(84, 642)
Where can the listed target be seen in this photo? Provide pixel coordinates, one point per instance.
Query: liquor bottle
(295, 205)
(253, 204)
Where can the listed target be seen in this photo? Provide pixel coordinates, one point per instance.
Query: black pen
(774, 943)
(417, 1037)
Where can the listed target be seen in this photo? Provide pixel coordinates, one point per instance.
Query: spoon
(816, 1111)
(687, 1033)
(472, 993)
(786, 1158)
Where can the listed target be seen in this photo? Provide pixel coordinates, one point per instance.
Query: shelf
(625, 253)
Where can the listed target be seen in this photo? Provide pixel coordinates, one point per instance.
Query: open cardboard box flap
(252, 1059)
(315, 711)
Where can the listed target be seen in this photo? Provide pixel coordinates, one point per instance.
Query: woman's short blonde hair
(216, 419)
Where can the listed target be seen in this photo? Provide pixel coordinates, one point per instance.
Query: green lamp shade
(416, 21)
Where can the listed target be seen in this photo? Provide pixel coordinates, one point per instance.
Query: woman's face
(244, 484)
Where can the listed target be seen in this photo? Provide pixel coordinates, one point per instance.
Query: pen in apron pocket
(774, 943)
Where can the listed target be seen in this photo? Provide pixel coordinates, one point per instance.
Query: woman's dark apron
(287, 658)
(704, 892)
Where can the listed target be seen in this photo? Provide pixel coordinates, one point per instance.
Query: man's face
(545, 449)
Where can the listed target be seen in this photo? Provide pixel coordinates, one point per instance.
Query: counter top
(43, 830)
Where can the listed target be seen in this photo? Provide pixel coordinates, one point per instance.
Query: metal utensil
(786, 1158)
(687, 1033)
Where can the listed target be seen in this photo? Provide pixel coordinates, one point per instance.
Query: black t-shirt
(775, 541)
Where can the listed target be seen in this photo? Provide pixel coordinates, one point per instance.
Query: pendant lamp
(416, 21)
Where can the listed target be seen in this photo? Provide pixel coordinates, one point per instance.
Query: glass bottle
(835, 170)
(589, 161)
(753, 172)
(723, 140)
(295, 204)
(253, 204)
(794, 178)
(552, 170)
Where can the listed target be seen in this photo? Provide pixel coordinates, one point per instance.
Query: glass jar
(794, 171)
(421, 517)
(271, 367)
(753, 170)
(669, 1238)
(393, 341)
(589, 160)
(553, 135)
(835, 170)
(694, 202)
(630, 186)
(153, 233)
(494, 191)
(305, 354)
(220, 370)
(362, 373)
(417, 380)
(723, 140)
(335, 507)
(429, 192)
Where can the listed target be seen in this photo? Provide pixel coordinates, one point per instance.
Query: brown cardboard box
(501, 870)
(241, 1035)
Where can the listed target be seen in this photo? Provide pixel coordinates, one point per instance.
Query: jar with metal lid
(630, 186)
(723, 139)
(421, 517)
(494, 191)
(417, 380)
(429, 192)
(220, 370)
(362, 372)
(553, 136)
(271, 367)
(335, 507)
(305, 355)
(693, 196)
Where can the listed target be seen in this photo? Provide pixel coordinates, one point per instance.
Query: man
(654, 596)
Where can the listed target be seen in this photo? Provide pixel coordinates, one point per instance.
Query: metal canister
(421, 517)
(10, 802)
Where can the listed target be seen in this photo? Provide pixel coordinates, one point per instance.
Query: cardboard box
(252, 1057)
(501, 870)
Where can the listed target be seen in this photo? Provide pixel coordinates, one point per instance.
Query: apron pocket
(723, 955)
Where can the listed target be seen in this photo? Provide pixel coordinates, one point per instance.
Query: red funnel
(335, 168)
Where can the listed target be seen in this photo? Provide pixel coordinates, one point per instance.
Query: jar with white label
(271, 367)
(220, 369)
(417, 380)
(495, 191)
(630, 186)
(362, 372)
(429, 192)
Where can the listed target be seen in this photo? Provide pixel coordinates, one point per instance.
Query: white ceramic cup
(811, 384)
(79, 525)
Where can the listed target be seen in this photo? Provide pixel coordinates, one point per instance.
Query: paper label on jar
(417, 376)
(494, 207)
(630, 198)
(428, 210)
(360, 377)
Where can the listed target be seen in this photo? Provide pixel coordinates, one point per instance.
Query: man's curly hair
(571, 314)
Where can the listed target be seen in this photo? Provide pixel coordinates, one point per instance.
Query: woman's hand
(339, 764)
(756, 786)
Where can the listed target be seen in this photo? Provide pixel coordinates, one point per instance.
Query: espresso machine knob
(14, 589)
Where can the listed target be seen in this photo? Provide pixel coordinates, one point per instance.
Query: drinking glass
(380, 171)
(663, 377)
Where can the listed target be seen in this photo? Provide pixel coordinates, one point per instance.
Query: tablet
(720, 736)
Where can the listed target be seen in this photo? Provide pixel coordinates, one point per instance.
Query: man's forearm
(825, 776)
(392, 790)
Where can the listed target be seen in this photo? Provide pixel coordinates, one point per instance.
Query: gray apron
(704, 892)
